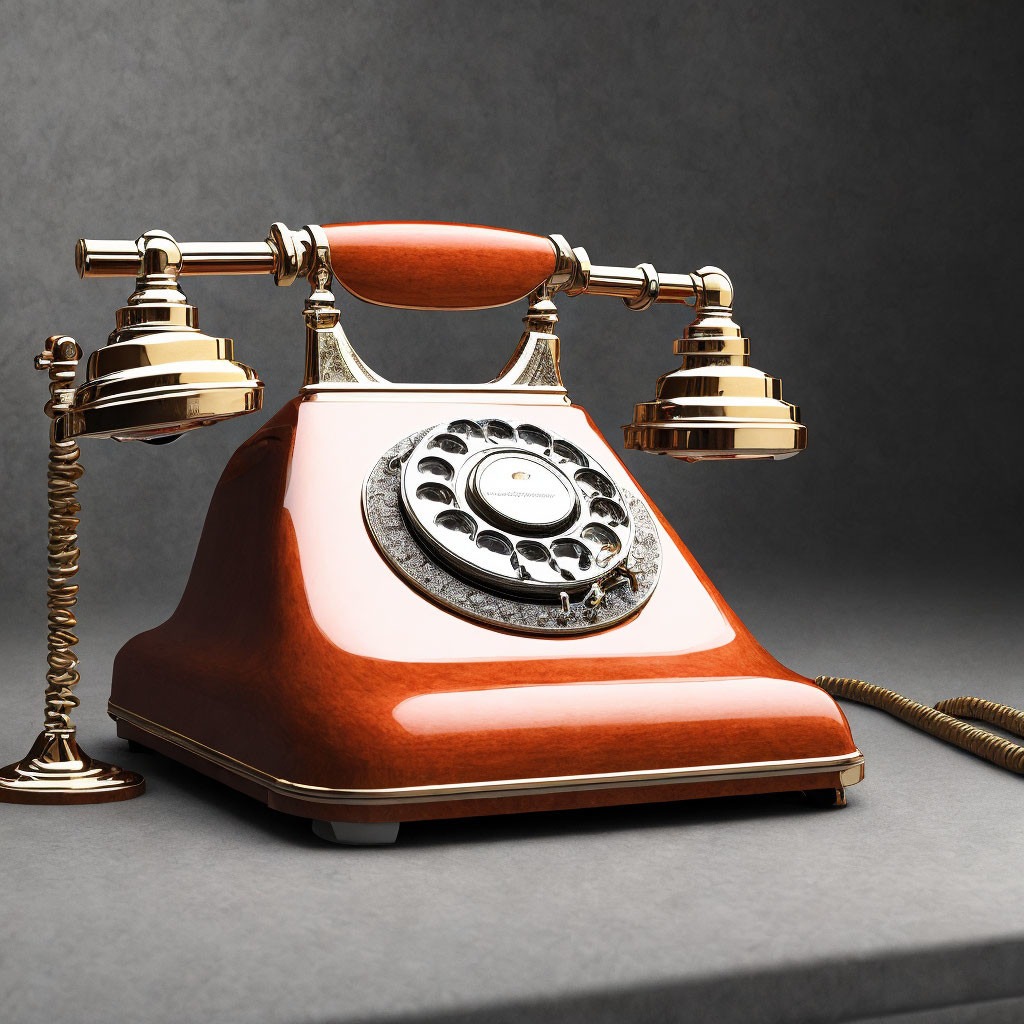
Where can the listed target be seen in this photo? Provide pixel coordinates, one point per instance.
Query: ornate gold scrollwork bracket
(330, 357)
(535, 360)
(56, 770)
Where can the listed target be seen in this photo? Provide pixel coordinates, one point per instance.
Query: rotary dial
(515, 507)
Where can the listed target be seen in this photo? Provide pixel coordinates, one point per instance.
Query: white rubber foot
(357, 833)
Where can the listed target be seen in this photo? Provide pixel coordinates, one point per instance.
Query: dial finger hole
(456, 521)
(449, 443)
(466, 428)
(496, 543)
(594, 483)
(610, 510)
(534, 436)
(532, 551)
(606, 543)
(565, 452)
(435, 492)
(432, 466)
(572, 553)
(498, 430)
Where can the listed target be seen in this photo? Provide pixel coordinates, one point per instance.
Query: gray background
(856, 169)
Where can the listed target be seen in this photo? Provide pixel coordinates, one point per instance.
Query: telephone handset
(426, 601)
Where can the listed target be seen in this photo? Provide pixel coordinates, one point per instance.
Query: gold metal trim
(851, 767)
(330, 356)
(107, 257)
(159, 375)
(485, 394)
(716, 405)
(535, 362)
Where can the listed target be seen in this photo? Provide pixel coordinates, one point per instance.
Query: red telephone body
(301, 668)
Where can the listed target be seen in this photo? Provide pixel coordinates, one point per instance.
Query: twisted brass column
(56, 770)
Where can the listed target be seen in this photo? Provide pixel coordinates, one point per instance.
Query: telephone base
(305, 670)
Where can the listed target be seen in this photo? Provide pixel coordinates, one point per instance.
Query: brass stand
(56, 770)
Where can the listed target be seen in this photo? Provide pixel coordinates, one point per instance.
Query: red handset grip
(423, 265)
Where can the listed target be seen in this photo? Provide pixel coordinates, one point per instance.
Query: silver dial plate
(515, 507)
(493, 589)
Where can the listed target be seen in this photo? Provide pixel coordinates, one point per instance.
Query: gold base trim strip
(851, 767)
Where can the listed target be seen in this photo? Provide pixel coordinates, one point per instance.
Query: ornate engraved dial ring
(511, 525)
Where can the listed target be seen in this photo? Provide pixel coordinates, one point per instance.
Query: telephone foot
(355, 833)
(827, 797)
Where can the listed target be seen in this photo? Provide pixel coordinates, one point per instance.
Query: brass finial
(716, 405)
(159, 375)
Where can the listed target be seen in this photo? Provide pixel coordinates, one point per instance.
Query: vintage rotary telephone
(430, 601)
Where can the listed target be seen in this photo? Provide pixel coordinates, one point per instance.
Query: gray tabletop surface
(195, 903)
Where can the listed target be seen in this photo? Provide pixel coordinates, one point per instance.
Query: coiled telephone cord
(943, 720)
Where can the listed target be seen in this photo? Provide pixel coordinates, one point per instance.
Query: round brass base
(57, 771)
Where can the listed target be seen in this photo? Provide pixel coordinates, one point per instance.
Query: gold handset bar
(285, 254)
(103, 257)
(715, 406)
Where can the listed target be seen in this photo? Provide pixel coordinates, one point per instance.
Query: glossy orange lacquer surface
(297, 650)
(423, 265)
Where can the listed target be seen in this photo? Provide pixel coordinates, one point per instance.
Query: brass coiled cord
(989, 711)
(62, 474)
(940, 721)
